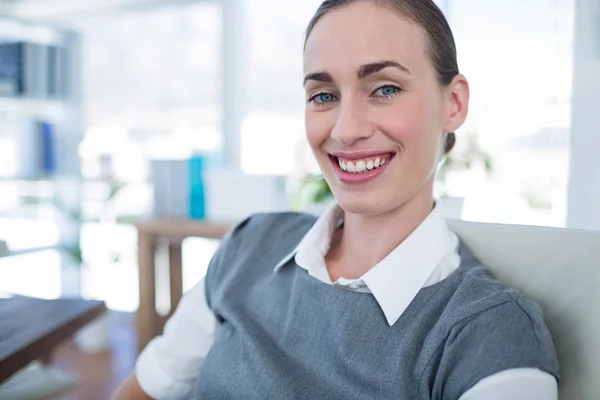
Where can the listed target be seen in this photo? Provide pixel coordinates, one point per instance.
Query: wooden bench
(31, 328)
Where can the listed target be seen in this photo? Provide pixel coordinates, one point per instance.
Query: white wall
(233, 14)
(584, 186)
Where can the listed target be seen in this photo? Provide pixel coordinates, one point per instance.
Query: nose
(352, 124)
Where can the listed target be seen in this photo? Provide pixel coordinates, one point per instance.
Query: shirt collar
(396, 280)
(317, 240)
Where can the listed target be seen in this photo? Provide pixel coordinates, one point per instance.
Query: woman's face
(375, 113)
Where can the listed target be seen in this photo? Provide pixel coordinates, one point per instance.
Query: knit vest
(286, 335)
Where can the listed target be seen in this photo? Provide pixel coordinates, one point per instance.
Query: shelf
(13, 253)
(30, 106)
(184, 228)
(34, 107)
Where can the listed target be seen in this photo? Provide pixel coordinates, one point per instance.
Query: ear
(457, 103)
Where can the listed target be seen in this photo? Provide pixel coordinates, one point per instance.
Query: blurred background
(122, 112)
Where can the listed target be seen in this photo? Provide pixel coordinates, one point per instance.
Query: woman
(377, 299)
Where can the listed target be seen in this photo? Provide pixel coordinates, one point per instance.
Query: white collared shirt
(168, 366)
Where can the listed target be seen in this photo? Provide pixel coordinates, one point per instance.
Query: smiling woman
(415, 98)
(377, 298)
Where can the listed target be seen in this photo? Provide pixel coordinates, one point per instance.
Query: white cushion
(560, 270)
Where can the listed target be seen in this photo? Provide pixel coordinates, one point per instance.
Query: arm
(503, 350)
(169, 365)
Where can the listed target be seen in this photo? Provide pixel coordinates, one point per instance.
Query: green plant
(313, 190)
(536, 198)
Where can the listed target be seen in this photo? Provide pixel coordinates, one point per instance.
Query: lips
(360, 167)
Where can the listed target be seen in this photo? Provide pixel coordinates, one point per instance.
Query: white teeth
(361, 166)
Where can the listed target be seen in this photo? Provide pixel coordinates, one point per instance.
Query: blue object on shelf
(48, 160)
(197, 205)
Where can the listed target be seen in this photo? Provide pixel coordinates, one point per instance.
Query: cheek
(318, 128)
(408, 124)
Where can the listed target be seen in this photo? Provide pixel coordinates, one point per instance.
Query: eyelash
(389, 96)
(312, 99)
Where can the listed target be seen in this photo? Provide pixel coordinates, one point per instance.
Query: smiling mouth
(362, 165)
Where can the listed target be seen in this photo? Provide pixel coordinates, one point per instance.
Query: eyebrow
(369, 69)
(319, 77)
(363, 72)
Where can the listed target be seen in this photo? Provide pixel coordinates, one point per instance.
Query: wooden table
(31, 328)
(150, 235)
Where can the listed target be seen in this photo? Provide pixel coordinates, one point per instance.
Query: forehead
(360, 33)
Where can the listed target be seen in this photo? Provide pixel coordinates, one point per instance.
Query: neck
(368, 239)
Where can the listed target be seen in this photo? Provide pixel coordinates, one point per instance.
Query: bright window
(518, 58)
(274, 93)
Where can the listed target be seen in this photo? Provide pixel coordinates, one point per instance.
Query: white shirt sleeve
(169, 365)
(515, 384)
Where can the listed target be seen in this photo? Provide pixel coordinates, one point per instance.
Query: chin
(363, 204)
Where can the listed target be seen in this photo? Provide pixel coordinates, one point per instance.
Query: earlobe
(458, 98)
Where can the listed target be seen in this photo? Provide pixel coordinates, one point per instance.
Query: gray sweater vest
(287, 335)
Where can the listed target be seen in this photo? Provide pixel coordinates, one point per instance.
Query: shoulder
(275, 228)
(279, 220)
(479, 296)
(505, 319)
(489, 328)
(477, 292)
(259, 240)
(483, 304)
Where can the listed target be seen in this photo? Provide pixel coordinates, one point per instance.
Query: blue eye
(387, 91)
(323, 98)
